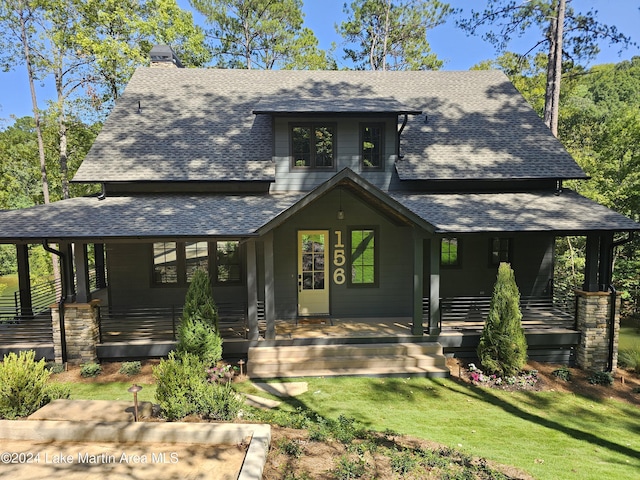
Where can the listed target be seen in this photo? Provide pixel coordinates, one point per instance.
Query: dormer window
(372, 145)
(313, 146)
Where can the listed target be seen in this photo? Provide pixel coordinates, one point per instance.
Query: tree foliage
(261, 34)
(503, 346)
(392, 35)
(564, 34)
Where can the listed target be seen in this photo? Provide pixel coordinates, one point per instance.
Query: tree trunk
(554, 69)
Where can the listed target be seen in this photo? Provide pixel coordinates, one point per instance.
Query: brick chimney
(163, 56)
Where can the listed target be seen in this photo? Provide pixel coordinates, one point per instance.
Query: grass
(550, 435)
(108, 391)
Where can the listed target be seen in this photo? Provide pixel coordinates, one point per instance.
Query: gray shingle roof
(514, 212)
(198, 124)
(145, 216)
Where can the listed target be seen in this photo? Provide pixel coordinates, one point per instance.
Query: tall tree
(564, 34)
(262, 34)
(392, 35)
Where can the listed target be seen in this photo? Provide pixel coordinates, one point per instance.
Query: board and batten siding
(130, 267)
(532, 265)
(347, 151)
(392, 297)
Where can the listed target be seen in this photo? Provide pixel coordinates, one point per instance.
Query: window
(363, 255)
(196, 257)
(450, 252)
(228, 262)
(165, 263)
(500, 250)
(312, 146)
(372, 151)
(174, 263)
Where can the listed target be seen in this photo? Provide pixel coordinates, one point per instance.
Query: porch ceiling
(566, 212)
(148, 216)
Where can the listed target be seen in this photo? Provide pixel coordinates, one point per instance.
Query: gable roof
(200, 125)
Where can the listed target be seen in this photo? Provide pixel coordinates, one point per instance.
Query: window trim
(458, 263)
(383, 157)
(509, 250)
(313, 126)
(376, 256)
(214, 263)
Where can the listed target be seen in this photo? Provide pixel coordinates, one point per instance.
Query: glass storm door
(313, 284)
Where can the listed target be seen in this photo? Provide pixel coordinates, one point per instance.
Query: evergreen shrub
(196, 337)
(503, 347)
(24, 386)
(198, 302)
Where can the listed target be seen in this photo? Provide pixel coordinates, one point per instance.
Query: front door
(313, 284)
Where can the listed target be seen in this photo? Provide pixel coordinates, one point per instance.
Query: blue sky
(459, 51)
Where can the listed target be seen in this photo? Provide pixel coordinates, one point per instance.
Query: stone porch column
(81, 332)
(593, 317)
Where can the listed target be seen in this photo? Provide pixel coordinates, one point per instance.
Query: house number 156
(339, 259)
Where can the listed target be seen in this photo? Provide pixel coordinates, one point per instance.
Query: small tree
(198, 302)
(503, 346)
(198, 331)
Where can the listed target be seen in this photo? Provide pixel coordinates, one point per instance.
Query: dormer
(316, 137)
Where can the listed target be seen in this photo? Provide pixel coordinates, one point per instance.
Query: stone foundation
(81, 332)
(592, 318)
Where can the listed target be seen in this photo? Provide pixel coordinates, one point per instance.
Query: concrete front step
(382, 359)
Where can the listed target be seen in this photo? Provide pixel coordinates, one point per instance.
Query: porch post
(66, 262)
(418, 276)
(252, 291)
(101, 273)
(83, 293)
(591, 264)
(606, 261)
(269, 288)
(24, 280)
(434, 286)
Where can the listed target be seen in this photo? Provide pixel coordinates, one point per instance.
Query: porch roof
(144, 216)
(567, 212)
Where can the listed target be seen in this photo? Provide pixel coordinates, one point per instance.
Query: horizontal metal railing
(471, 312)
(162, 323)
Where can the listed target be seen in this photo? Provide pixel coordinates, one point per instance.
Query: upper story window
(500, 250)
(372, 145)
(313, 146)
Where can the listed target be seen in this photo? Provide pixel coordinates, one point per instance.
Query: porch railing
(471, 312)
(32, 326)
(161, 323)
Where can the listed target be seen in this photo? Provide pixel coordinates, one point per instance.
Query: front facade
(313, 196)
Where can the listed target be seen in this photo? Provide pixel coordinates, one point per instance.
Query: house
(317, 199)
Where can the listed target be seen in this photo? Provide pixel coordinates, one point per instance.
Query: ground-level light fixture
(135, 389)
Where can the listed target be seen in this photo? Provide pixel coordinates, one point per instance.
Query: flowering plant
(525, 380)
(221, 374)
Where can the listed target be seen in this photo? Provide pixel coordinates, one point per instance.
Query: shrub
(130, 368)
(348, 468)
(503, 347)
(601, 378)
(563, 373)
(177, 379)
(182, 389)
(198, 302)
(54, 367)
(90, 369)
(403, 462)
(292, 448)
(24, 386)
(198, 338)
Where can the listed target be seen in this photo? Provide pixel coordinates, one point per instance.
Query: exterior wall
(532, 263)
(130, 268)
(393, 294)
(593, 319)
(347, 153)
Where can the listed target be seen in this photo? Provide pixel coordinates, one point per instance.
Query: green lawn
(549, 435)
(629, 335)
